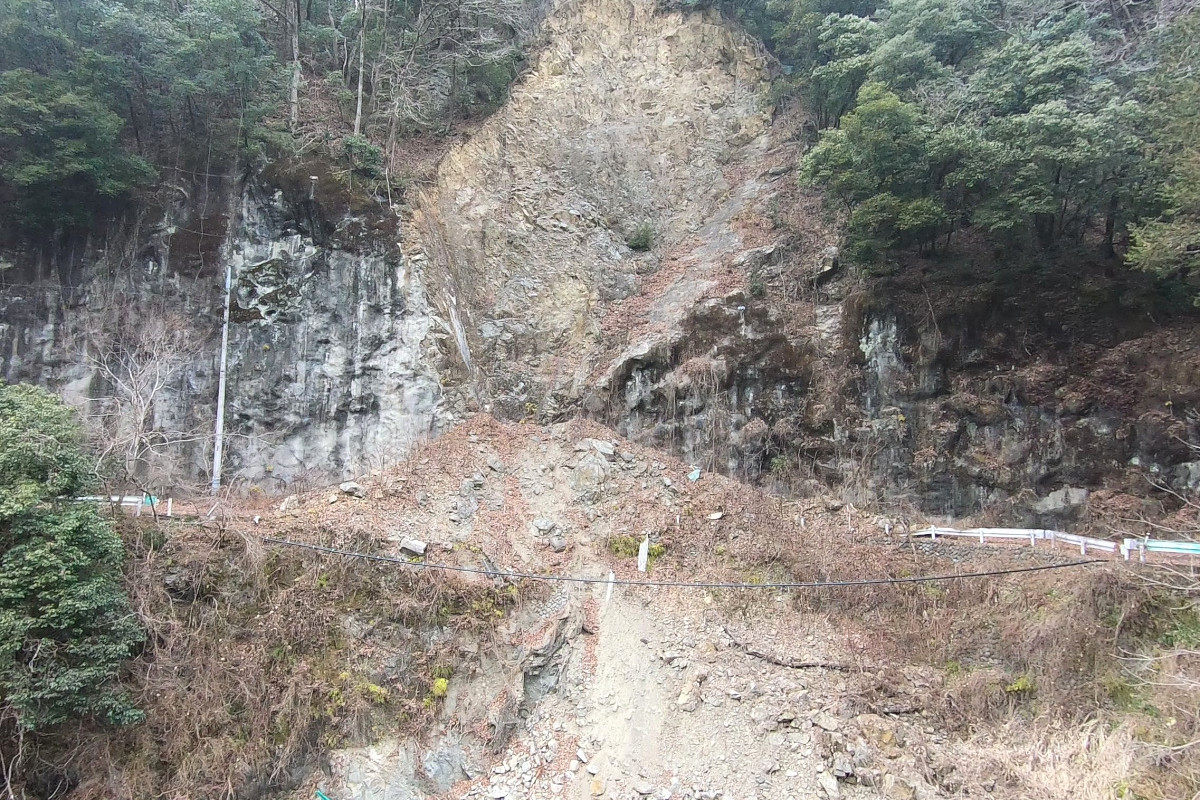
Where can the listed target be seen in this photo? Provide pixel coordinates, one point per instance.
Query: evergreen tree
(1169, 243)
(65, 621)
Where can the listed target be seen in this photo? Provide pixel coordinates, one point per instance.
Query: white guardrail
(1125, 549)
(134, 501)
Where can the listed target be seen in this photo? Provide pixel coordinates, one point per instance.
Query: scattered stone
(644, 789)
(826, 721)
(687, 700)
(829, 784)
(896, 789)
(543, 525)
(495, 464)
(557, 543)
(604, 448)
(842, 768)
(414, 546)
(716, 515)
(289, 501)
(353, 489)
(597, 787)
(828, 264)
(498, 791)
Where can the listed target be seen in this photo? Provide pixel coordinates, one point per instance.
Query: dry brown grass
(258, 659)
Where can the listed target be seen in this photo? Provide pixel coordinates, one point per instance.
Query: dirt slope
(890, 691)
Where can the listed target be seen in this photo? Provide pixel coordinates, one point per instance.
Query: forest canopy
(1027, 125)
(99, 97)
(1036, 125)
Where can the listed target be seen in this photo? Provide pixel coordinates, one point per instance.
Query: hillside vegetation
(1034, 126)
(100, 99)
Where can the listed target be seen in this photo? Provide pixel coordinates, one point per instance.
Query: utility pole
(219, 435)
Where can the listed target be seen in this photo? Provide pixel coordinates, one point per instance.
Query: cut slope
(628, 119)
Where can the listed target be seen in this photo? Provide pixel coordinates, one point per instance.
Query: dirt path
(631, 704)
(659, 702)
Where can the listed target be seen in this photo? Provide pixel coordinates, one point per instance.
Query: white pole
(219, 434)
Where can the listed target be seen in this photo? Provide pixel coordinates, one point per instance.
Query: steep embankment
(632, 124)
(735, 341)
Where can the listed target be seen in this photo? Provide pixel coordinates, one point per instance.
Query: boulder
(413, 546)
(353, 489)
(1064, 503)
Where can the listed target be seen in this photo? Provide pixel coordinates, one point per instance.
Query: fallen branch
(785, 662)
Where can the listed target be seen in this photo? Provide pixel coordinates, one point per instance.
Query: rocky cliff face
(630, 120)
(333, 348)
(334, 354)
(624, 239)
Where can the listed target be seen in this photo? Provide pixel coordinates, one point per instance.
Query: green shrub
(623, 546)
(65, 622)
(365, 158)
(1024, 685)
(642, 239)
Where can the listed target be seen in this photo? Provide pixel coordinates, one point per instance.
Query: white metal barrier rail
(1125, 549)
(134, 501)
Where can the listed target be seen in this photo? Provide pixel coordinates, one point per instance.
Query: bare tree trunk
(294, 85)
(380, 57)
(1110, 226)
(362, 29)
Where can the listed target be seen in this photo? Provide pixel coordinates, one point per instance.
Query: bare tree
(144, 358)
(288, 14)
